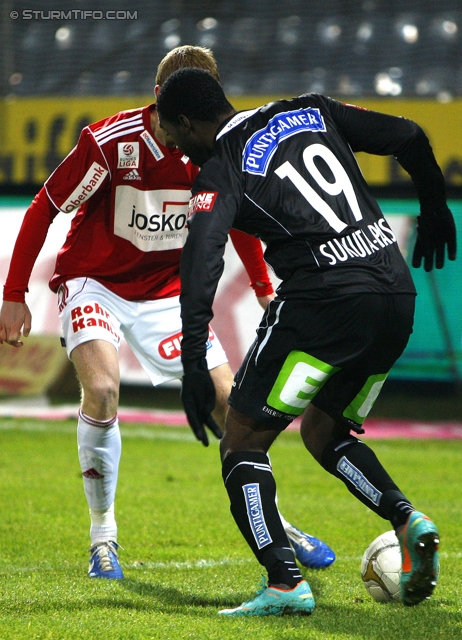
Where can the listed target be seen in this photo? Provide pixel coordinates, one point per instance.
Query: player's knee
(102, 394)
(314, 444)
(221, 410)
(230, 442)
(318, 429)
(244, 434)
(224, 450)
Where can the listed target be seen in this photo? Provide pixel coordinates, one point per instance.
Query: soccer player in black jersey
(287, 173)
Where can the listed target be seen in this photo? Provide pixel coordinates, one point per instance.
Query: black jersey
(287, 173)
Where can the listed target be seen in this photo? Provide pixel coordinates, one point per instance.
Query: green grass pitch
(183, 556)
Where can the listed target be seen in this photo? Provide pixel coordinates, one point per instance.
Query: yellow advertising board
(37, 133)
(32, 368)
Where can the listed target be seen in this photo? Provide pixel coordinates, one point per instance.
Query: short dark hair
(193, 93)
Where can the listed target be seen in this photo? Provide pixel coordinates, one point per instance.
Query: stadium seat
(328, 45)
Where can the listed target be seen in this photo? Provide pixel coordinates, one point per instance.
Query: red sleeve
(82, 172)
(28, 244)
(250, 251)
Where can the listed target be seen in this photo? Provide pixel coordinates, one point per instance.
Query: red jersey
(131, 195)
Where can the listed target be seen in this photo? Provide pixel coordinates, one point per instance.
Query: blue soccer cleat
(418, 540)
(309, 551)
(272, 601)
(104, 560)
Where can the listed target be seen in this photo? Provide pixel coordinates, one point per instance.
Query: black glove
(198, 397)
(434, 232)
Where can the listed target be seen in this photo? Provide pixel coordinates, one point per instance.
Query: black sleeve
(202, 259)
(382, 134)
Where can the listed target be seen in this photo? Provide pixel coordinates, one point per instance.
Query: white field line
(202, 564)
(197, 564)
(139, 432)
(155, 432)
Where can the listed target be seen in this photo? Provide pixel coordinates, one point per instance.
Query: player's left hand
(435, 233)
(199, 398)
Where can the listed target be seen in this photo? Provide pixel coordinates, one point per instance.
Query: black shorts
(334, 353)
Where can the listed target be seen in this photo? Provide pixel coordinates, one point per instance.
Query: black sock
(281, 567)
(358, 467)
(251, 488)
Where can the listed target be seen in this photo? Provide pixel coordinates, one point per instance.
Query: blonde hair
(186, 56)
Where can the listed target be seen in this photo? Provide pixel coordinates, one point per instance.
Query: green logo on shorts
(299, 380)
(364, 401)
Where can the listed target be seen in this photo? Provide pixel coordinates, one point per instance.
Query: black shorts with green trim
(335, 354)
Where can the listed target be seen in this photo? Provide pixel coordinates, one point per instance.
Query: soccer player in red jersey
(128, 187)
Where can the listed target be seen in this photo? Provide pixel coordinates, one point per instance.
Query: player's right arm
(15, 317)
(75, 180)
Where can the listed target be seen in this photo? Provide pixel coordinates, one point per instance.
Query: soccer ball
(381, 568)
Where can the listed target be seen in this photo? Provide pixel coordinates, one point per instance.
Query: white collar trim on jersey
(235, 120)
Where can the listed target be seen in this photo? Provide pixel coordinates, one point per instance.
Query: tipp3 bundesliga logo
(262, 145)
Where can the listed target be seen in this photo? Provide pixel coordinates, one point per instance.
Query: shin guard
(250, 484)
(358, 467)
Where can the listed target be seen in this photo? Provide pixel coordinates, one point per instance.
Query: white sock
(285, 524)
(103, 525)
(99, 446)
